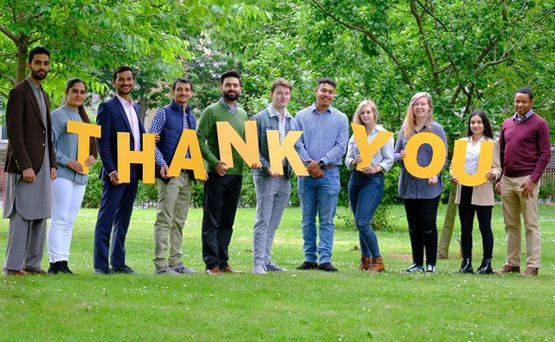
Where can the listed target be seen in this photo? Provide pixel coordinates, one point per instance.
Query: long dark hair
(485, 121)
(93, 151)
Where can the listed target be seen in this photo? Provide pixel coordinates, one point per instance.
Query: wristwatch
(322, 164)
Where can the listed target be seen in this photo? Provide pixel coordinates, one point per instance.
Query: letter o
(439, 153)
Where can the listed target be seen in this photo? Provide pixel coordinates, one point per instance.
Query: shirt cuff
(63, 161)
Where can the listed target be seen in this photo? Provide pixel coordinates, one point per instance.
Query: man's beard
(36, 76)
(231, 97)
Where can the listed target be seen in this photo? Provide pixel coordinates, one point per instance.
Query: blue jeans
(318, 196)
(365, 194)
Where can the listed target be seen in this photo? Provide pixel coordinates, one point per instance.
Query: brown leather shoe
(530, 272)
(365, 263)
(377, 265)
(38, 272)
(214, 271)
(228, 269)
(14, 272)
(509, 269)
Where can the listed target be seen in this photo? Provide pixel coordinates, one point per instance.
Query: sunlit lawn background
(291, 306)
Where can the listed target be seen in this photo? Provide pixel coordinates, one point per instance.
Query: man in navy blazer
(120, 114)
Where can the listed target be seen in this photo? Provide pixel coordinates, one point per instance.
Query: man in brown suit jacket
(31, 166)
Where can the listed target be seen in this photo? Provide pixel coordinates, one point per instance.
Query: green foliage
(545, 191)
(248, 192)
(90, 38)
(391, 181)
(147, 194)
(344, 218)
(197, 195)
(93, 194)
(383, 219)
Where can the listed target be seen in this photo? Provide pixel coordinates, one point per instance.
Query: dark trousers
(221, 197)
(421, 216)
(466, 214)
(116, 206)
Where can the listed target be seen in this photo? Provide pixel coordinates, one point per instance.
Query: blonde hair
(410, 121)
(373, 109)
(281, 82)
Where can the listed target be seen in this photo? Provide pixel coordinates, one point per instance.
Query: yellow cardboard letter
(484, 163)
(367, 151)
(188, 141)
(286, 150)
(85, 132)
(144, 157)
(438, 158)
(227, 137)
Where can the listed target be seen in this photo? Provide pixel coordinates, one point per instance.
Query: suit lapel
(33, 100)
(122, 113)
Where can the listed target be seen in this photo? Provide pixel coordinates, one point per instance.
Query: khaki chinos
(174, 200)
(515, 205)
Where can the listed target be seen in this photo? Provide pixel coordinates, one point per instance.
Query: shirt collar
(525, 117)
(377, 129)
(176, 106)
(479, 140)
(123, 101)
(314, 109)
(273, 112)
(231, 110)
(425, 127)
(33, 85)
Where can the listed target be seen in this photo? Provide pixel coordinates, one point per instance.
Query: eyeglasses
(420, 104)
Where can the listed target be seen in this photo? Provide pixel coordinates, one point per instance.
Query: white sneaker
(258, 270)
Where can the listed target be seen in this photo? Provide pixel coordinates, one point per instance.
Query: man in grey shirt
(272, 190)
(31, 166)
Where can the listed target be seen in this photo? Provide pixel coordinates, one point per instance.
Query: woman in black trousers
(479, 199)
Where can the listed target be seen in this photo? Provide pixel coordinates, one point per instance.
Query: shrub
(94, 187)
(545, 191)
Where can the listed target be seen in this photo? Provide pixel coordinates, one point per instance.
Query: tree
(89, 38)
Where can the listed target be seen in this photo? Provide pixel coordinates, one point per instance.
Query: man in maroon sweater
(525, 152)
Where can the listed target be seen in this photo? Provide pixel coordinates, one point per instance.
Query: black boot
(65, 268)
(466, 266)
(485, 267)
(55, 267)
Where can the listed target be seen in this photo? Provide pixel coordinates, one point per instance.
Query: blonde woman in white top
(366, 187)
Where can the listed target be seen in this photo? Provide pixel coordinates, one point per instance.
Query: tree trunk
(143, 103)
(21, 58)
(448, 224)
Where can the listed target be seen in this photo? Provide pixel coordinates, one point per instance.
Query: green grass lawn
(290, 306)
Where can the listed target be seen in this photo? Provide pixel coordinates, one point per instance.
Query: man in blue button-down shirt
(323, 144)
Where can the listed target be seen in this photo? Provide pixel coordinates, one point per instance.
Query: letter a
(84, 131)
(228, 137)
(188, 141)
(127, 157)
(286, 150)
